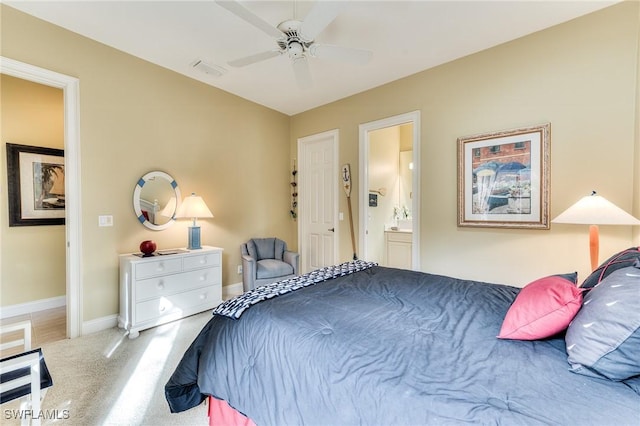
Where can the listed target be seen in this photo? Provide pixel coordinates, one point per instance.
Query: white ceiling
(405, 37)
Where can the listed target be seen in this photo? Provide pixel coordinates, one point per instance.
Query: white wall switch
(105, 220)
(239, 269)
(341, 216)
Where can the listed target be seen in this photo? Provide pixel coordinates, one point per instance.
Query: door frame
(73, 219)
(302, 152)
(363, 193)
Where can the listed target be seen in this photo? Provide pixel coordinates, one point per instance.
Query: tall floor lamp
(594, 210)
(194, 207)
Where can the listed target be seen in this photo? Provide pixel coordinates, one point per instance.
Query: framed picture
(503, 179)
(35, 185)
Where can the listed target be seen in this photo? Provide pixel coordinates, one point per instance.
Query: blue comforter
(391, 347)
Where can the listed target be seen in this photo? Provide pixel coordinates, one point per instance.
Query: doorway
(70, 88)
(389, 192)
(318, 200)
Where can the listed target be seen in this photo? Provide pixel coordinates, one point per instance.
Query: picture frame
(503, 178)
(373, 200)
(36, 189)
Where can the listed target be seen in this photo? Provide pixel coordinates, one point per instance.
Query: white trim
(34, 306)
(71, 90)
(231, 290)
(99, 324)
(364, 129)
(335, 135)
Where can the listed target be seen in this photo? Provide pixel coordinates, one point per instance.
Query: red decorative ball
(147, 247)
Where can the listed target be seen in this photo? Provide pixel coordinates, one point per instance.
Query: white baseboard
(231, 290)
(99, 324)
(35, 306)
(92, 326)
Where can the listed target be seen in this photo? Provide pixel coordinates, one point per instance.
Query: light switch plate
(105, 220)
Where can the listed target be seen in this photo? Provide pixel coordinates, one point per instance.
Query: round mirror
(155, 200)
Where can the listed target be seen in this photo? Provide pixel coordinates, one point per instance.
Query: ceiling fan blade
(252, 59)
(344, 54)
(320, 16)
(302, 73)
(245, 14)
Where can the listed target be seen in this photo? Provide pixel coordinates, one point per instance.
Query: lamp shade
(595, 210)
(193, 207)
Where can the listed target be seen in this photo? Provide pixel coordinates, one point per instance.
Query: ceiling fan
(297, 39)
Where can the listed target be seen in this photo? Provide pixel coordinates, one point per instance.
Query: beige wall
(636, 168)
(136, 117)
(33, 263)
(581, 76)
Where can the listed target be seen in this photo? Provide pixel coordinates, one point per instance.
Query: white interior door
(317, 195)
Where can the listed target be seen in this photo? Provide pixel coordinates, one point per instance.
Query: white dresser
(158, 289)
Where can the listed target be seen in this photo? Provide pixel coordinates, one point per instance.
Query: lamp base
(194, 238)
(594, 246)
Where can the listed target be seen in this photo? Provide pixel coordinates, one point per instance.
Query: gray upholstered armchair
(266, 260)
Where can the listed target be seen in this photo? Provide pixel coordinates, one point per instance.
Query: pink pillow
(542, 308)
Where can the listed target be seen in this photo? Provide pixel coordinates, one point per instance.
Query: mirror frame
(136, 199)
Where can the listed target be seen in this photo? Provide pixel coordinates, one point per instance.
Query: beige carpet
(107, 379)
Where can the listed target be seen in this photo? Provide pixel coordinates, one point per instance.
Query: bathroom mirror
(155, 200)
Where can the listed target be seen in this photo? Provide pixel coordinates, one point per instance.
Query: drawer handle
(160, 267)
(162, 308)
(160, 286)
(203, 296)
(203, 277)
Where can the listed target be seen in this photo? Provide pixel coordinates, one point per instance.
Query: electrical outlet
(239, 269)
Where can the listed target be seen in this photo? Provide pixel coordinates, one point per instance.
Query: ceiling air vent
(210, 69)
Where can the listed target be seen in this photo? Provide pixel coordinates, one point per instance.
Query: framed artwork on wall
(503, 178)
(36, 187)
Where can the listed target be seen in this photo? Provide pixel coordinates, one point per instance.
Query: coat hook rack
(294, 192)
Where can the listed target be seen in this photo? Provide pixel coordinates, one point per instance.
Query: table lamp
(594, 210)
(193, 207)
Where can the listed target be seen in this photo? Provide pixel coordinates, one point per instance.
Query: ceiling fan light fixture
(297, 38)
(295, 50)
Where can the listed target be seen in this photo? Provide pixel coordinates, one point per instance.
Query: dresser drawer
(204, 260)
(158, 267)
(169, 284)
(176, 303)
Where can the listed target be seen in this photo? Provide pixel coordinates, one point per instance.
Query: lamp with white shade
(594, 210)
(193, 207)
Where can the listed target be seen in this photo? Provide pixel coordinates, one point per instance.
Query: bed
(384, 346)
